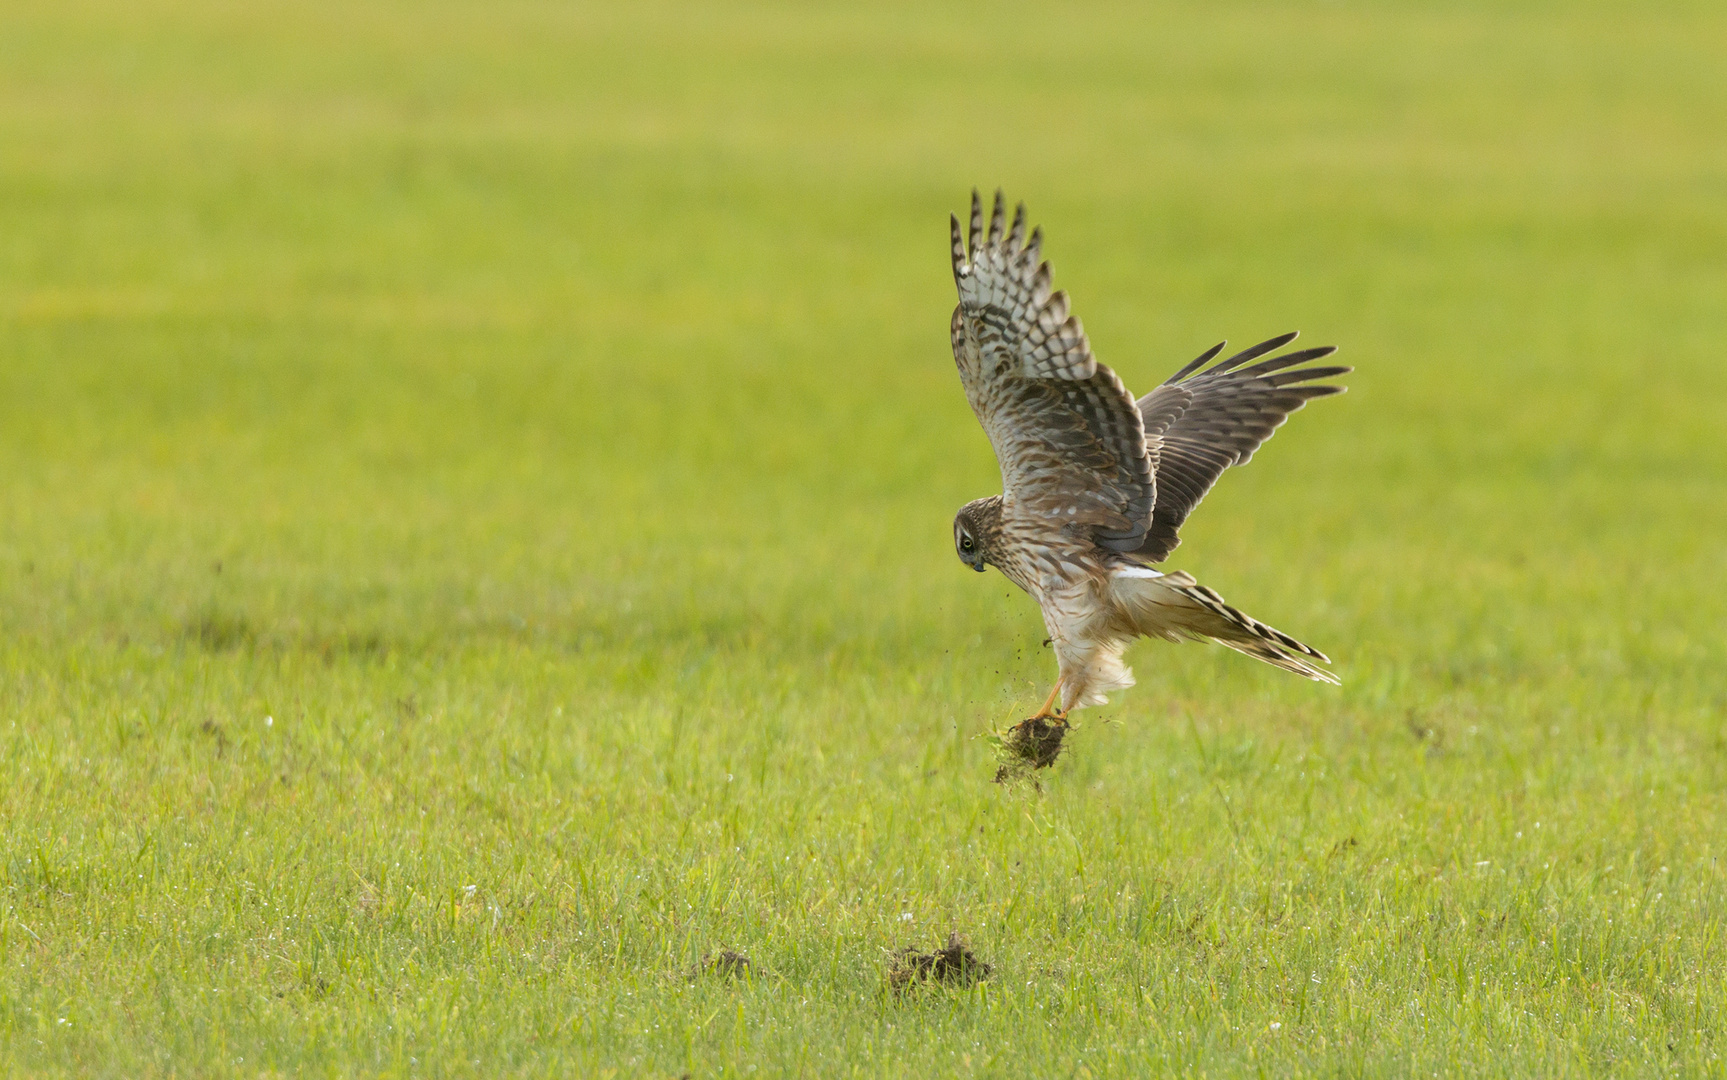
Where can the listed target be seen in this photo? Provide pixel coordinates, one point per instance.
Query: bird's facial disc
(967, 545)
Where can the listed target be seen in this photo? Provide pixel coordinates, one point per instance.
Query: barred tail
(1175, 605)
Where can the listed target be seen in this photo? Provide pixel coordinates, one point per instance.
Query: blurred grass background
(542, 415)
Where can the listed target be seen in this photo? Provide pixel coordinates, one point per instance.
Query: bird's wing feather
(1210, 420)
(1071, 443)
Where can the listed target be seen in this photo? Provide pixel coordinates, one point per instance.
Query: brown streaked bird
(1096, 485)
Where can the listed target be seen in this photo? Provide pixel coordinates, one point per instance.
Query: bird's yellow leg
(1046, 713)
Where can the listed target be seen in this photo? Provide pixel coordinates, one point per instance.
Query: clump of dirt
(1033, 743)
(214, 730)
(955, 965)
(725, 963)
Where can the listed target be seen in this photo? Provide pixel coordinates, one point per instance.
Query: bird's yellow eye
(965, 543)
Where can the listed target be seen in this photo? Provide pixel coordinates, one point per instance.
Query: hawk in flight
(1095, 485)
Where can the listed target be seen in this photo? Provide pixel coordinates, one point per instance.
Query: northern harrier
(1095, 484)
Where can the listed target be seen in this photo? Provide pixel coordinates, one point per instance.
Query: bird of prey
(1096, 485)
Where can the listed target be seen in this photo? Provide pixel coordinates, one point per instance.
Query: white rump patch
(1137, 571)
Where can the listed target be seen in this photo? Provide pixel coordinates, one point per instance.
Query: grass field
(475, 484)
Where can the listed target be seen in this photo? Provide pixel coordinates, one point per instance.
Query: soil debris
(955, 965)
(1033, 743)
(725, 963)
(213, 729)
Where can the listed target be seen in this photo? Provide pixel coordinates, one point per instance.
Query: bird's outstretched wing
(1203, 423)
(1070, 442)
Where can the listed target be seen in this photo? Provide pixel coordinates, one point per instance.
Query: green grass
(475, 486)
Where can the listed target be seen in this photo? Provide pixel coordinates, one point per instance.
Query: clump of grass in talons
(1028, 746)
(952, 965)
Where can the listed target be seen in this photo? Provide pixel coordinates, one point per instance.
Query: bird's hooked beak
(978, 566)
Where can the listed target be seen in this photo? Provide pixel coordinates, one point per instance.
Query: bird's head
(974, 530)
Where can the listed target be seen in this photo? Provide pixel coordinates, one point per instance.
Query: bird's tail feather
(1175, 605)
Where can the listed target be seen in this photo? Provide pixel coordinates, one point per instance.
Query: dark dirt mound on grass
(1033, 743)
(954, 965)
(725, 963)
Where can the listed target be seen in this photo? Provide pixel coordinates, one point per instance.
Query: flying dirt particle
(1033, 743)
(955, 965)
